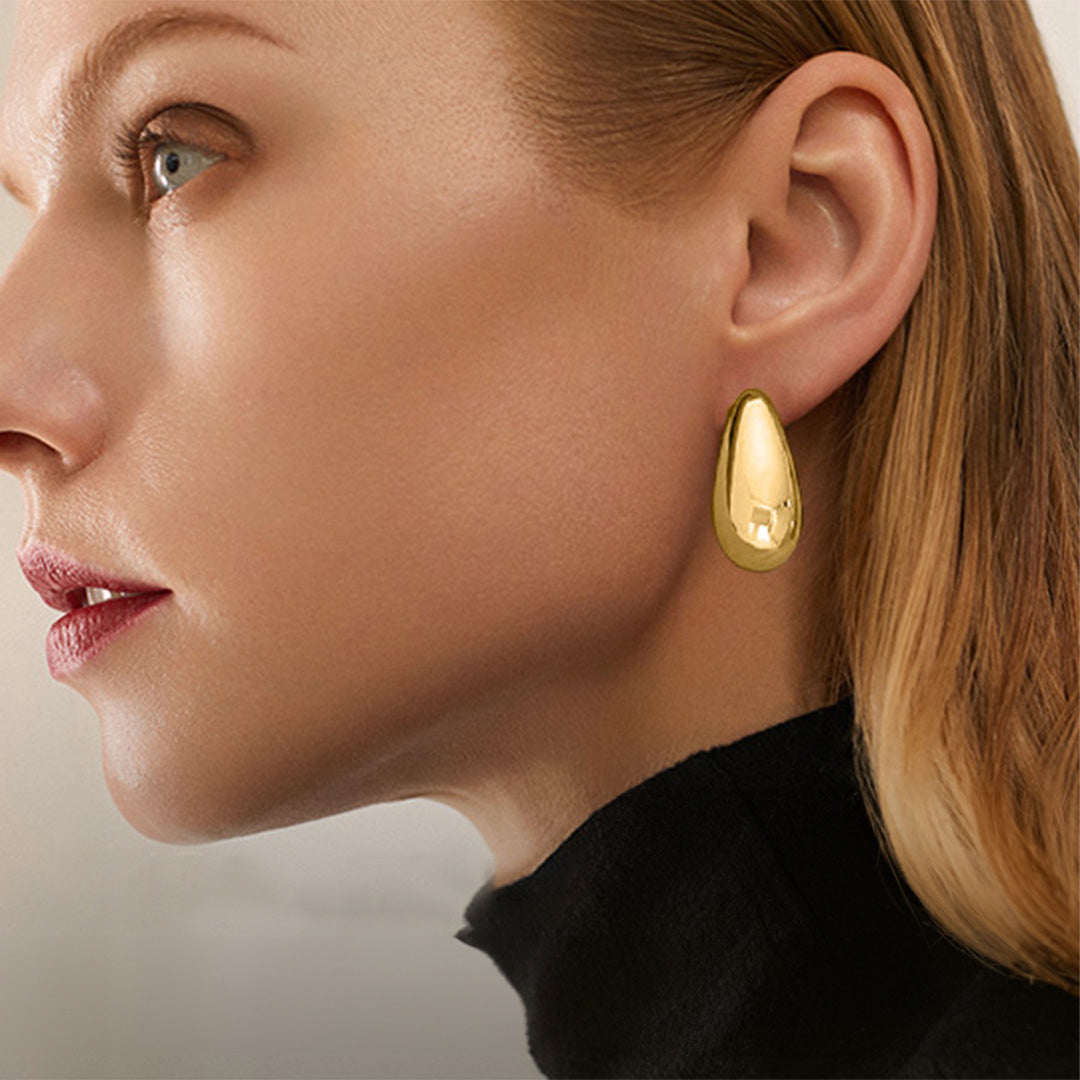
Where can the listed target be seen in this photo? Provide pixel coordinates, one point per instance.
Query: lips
(61, 581)
(86, 629)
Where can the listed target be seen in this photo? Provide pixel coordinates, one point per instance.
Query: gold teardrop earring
(757, 505)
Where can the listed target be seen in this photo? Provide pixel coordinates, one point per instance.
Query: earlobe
(838, 197)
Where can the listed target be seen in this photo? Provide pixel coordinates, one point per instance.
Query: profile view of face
(417, 438)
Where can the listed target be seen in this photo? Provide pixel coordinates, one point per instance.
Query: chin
(193, 778)
(164, 820)
(178, 803)
(178, 777)
(163, 804)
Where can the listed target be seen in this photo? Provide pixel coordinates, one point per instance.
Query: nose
(52, 408)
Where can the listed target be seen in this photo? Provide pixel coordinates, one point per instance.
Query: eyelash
(128, 150)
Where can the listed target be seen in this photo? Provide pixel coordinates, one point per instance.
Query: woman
(393, 363)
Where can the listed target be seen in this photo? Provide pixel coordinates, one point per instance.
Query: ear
(830, 203)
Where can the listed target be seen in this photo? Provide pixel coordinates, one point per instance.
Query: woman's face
(416, 437)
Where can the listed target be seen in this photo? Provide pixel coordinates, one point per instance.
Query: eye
(172, 163)
(172, 160)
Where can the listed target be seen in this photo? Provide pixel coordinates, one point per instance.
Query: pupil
(172, 162)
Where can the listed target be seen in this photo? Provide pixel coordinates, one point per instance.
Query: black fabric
(733, 916)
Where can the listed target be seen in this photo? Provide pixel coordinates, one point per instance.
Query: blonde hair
(956, 566)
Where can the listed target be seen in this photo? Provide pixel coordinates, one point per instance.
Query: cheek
(436, 406)
(407, 468)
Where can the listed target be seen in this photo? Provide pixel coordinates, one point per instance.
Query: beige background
(323, 950)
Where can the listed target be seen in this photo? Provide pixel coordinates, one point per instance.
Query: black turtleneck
(733, 916)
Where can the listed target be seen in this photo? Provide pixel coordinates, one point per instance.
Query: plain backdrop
(321, 950)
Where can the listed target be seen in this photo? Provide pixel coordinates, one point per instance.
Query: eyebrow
(102, 62)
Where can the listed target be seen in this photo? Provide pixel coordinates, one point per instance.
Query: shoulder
(1002, 1026)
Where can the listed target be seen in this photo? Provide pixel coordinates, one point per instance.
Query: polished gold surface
(757, 507)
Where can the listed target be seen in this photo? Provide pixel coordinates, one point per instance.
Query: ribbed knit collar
(729, 916)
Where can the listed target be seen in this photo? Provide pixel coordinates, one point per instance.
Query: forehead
(54, 37)
(48, 29)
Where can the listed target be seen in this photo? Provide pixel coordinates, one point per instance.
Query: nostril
(16, 446)
(52, 416)
(20, 453)
(10, 441)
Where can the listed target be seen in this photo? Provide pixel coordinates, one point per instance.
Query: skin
(422, 441)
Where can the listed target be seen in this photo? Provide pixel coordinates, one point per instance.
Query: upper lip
(60, 581)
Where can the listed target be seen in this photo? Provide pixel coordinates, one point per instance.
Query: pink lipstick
(94, 616)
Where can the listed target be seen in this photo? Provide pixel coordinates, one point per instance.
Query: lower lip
(84, 632)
